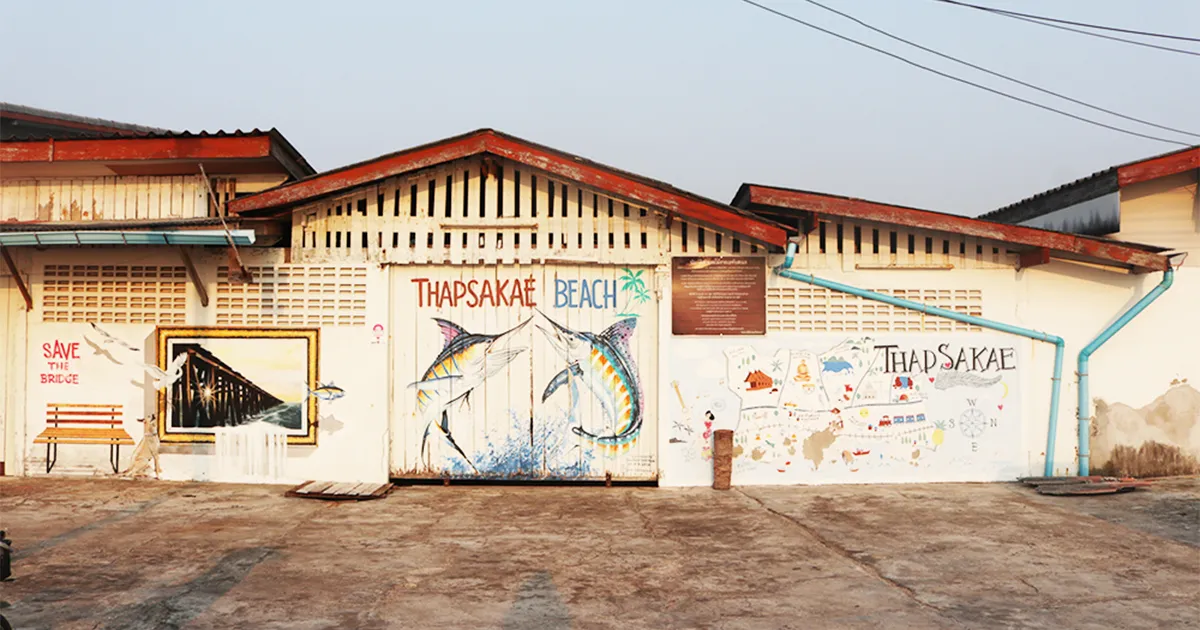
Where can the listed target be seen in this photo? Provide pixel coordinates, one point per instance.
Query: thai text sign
(719, 296)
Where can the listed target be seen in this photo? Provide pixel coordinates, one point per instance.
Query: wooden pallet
(1087, 485)
(340, 491)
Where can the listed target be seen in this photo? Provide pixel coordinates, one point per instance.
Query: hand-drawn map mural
(825, 408)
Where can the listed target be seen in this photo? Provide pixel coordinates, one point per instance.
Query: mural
(822, 408)
(634, 288)
(225, 377)
(531, 377)
(466, 361)
(146, 451)
(602, 363)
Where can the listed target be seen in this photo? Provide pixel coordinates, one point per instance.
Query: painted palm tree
(635, 290)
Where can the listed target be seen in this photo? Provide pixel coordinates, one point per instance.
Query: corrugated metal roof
(770, 199)
(77, 119)
(134, 224)
(743, 197)
(125, 237)
(1095, 185)
(159, 133)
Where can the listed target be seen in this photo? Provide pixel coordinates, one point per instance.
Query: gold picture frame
(211, 392)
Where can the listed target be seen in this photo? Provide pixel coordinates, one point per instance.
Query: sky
(703, 94)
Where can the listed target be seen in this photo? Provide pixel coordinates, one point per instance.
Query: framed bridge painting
(226, 377)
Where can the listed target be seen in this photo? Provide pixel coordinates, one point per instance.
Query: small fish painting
(326, 392)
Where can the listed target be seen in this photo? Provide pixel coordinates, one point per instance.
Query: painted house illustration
(758, 380)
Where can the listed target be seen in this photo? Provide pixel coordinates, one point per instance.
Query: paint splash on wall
(548, 452)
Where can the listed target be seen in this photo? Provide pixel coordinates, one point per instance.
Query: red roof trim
(924, 219)
(134, 149)
(522, 152)
(1163, 166)
(359, 174)
(684, 205)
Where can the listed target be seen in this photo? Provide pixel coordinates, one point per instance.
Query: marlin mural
(466, 361)
(603, 364)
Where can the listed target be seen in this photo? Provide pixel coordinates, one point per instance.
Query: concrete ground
(130, 555)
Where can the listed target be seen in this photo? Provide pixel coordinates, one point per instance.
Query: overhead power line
(998, 74)
(1060, 27)
(960, 79)
(1072, 23)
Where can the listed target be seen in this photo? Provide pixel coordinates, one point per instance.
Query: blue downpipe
(1059, 345)
(1085, 404)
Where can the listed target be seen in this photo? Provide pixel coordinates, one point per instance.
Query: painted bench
(68, 423)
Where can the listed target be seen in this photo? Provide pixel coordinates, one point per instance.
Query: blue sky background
(704, 94)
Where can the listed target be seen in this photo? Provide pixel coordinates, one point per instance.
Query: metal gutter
(131, 237)
(1085, 404)
(786, 272)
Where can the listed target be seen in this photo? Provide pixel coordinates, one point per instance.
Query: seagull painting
(164, 379)
(109, 339)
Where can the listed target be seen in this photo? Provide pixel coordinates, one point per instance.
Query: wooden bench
(68, 423)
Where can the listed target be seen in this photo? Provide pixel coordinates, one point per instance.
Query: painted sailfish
(466, 361)
(603, 364)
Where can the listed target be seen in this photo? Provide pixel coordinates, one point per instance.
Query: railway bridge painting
(234, 376)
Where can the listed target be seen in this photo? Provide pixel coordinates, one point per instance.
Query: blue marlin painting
(466, 361)
(602, 363)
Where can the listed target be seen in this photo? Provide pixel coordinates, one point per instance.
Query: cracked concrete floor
(117, 554)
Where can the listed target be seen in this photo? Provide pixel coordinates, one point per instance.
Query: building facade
(1146, 406)
(486, 307)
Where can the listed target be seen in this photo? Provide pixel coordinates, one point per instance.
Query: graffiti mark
(465, 362)
(603, 364)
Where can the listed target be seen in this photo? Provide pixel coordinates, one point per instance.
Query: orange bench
(68, 423)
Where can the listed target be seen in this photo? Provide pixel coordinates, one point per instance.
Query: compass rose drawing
(973, 421)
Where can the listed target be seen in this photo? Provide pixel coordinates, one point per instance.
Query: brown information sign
(719, 296)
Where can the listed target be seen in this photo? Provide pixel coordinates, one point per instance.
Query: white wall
(1065, 299)
(1164, 212)
(352, 433)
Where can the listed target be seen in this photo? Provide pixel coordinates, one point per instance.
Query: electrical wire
(962, 80)
(998, 74)
(1060, 21)
(1100, 35)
